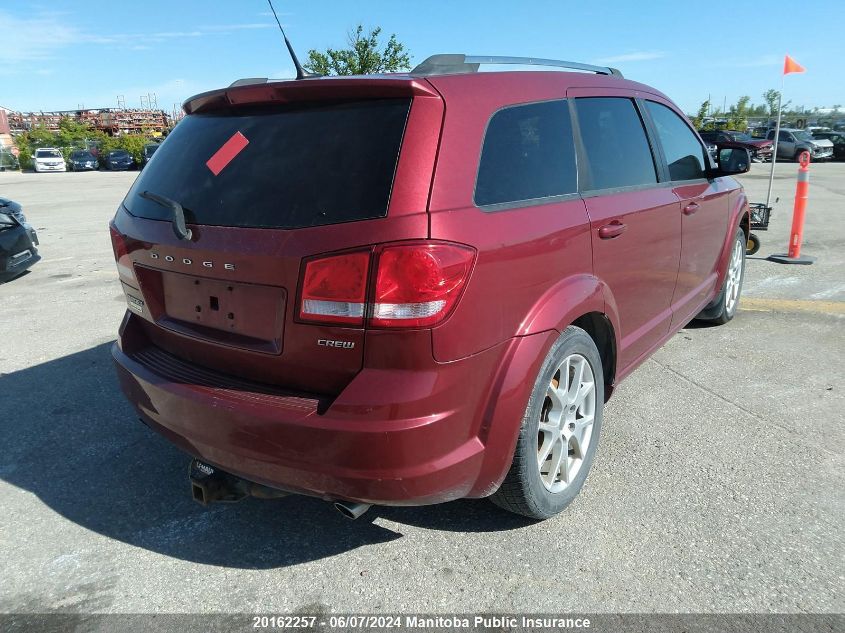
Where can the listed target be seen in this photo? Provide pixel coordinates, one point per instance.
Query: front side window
(528, 153)
(615, 143)
(684, 154)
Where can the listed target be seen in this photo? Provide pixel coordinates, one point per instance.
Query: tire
(723, 308)
(753, 244)
(526, 490)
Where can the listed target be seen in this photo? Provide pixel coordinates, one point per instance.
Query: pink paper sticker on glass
(227, 152)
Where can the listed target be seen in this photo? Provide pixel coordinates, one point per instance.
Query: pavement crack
(728, 401)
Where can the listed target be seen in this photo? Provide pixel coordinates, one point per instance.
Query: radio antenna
(300, 71)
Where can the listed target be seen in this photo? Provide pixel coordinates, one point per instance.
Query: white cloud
(33, 39)
(637, 56)
(44, 36)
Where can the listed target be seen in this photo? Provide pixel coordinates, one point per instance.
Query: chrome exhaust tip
(351, 510)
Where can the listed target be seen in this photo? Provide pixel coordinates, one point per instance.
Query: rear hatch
(268, 177)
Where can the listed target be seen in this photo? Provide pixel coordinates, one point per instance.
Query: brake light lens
(417, 285)
(120, 248)
(334, 289)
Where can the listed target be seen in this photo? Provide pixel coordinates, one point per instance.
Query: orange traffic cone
(796, 235)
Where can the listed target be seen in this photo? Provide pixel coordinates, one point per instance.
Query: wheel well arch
(600, 329)
(745, 222)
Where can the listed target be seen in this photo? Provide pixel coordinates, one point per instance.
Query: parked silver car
(792, 142)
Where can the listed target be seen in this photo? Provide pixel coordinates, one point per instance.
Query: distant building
(112, 121)
(6, 141)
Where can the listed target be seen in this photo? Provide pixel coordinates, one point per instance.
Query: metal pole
(775, 152)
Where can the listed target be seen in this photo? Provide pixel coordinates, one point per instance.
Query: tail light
(417, 285)
(118, 243)
(334, 289)
(413, 285)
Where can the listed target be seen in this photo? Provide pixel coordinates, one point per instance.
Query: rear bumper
(18, 251)
(392, 437)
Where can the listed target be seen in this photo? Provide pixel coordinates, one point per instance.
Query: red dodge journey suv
(407, 289)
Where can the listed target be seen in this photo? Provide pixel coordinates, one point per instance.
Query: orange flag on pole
(791, 66)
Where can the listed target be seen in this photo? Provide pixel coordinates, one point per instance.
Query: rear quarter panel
(524, 252)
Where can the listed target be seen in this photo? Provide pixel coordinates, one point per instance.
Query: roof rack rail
(452, 64)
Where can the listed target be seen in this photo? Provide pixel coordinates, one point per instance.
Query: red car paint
(761, 148)
(411, 415)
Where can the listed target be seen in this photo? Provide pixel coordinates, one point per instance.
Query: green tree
(73, 134)
(132, 143)
(738, 118)
(698, 119)
(771, 97)
(759, 110)
(364, 56)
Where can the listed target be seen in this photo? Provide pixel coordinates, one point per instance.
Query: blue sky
(62, 54)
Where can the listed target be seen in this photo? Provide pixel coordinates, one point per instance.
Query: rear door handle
(614, 229)
(691, 208)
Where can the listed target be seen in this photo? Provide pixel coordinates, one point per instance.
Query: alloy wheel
(566, 423)
(734, 277)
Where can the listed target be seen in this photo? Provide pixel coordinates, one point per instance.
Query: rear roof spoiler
(260, 91)
(453, 64)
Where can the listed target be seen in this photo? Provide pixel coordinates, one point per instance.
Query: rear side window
(300, 166)
(615, 143)
(528, 153)
(684, 154)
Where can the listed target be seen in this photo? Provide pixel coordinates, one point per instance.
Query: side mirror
(733, 160)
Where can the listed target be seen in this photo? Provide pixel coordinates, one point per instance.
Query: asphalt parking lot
(718, 485)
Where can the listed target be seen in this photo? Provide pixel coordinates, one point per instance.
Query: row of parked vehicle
(792, 142)
(46, 159)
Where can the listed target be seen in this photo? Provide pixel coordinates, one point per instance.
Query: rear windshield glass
(288, 167)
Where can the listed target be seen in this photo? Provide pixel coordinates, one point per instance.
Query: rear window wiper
(179, 229)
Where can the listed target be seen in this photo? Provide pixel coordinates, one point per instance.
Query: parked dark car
(18, 241)
(8, 161)
(118, 160)
(366, 325)
(838, 140)
(760, 149)
(147, 153)
(82, 160)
